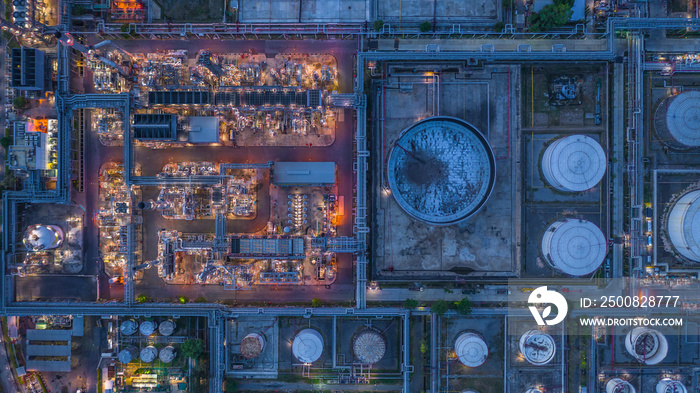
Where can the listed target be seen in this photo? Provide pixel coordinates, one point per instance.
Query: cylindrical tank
(471, 349)
(252, 345)
(307, 346)
(684, 225)
(369, 346)
(127, 354)
(533, 390)
(149, 354)
(537, 347)
(648, 346)
(167, 354)
(128, 327)
(147, 328)
(668, 385)
(166, 327)
(574, 163)
(677, 120)
(42, 237)
(574, 247)
(617, 385)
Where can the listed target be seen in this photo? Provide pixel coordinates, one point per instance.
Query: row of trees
(440, 307)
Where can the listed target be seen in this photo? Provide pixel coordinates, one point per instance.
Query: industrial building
(28, 69)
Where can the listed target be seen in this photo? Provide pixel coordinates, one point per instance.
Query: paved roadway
(8, 383)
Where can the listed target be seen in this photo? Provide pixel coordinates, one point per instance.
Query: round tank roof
(167, 354)
(166, 327)
(646, 345)
(149, 354)
(42, 237)
(252, 345)
(537, 347)
(441, 170)
(126, 355)
(668, 385)
(617, 385)
(575, 247)
(684, 225)
(574, 163)
(147, 328)
(678, 117)
(471, 349)
(128, 327)
(369, 346)
(307, 345)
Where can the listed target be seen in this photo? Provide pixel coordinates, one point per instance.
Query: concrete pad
(417, 11)
(303, 11)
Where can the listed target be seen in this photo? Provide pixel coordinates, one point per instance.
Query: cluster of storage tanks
(149, 353)
(574, 163)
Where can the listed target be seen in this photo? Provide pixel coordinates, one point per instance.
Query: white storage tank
(40, 237)
(127, 354)
(677, 120)
(471, 349)
(617, 385)
(668, 385)
(167, 327)
(149, 354)
(128, 327)
(684, 225)
(573, 246)
(369, 346)
(574, 163)
(167, 354)
(537, 347)
(307, 346)
(648, 346)
(252, 345)
(147, 328)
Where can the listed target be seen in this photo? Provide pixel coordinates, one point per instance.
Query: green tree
(499, 26)
(378, 25)
(125, 28)
(19, 102)
(507, 3)
(6, 141)
(440, 307)
(316, 302)
(78, 10)
(423, 346)
(231, 385)
(410, 304)
(463, 307)
(550, 16)
(183, 299)
(425, 27)
(192, 348)
(141, 298)
(200, 299)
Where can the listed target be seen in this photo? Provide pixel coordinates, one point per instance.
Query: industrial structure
(574, 247)
(684, 225)
(574, 163)
(647, 346)
(676, 120)
(537, 347)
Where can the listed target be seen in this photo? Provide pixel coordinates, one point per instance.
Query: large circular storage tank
(42, 237)
(149, 354)
(167, 354)
(668, 385)
(441, 170)
(128, 327)
(147, 328)
(617, 385)
(533, 390)
(369, 346)
(574, 163)
(648, 346)
(127, 354)
(307, 346)
(684, 225)
(537, 347)
(252, 345)
(677, 120)
(471, 349)
(167, 327)
(574, 247)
